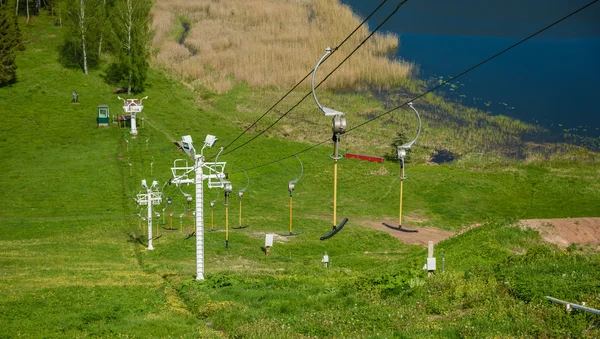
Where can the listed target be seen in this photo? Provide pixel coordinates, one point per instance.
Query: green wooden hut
(103, 115)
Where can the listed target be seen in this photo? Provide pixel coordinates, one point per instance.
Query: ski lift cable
(322, 81)
(305, 77)
(451, 79)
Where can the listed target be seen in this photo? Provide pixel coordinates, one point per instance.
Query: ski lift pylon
(291, 186)
(401, 153)
(338, 127)
(241, 195)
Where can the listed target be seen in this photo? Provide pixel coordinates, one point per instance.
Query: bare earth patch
(562, 232)
(565, 232)
(422, 237)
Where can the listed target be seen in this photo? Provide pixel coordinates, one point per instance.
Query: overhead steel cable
(324, 79)
(306, 76)
(433, 88)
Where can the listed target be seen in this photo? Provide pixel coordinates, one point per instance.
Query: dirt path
(562, 232)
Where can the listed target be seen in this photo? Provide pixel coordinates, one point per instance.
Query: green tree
(10, 43)
(130, 43)
(82, 33)
(399, 140)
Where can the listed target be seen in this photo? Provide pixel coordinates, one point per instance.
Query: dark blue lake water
(551, 79)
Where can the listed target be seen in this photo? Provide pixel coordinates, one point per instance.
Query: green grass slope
(73, 261)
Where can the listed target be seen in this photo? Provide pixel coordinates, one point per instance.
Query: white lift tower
(215, 178)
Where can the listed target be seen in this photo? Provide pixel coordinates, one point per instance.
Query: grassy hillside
(73, 261)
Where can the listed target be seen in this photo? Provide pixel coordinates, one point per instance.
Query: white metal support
(215, 178)
(150, 247)
(199, 219)
(152, 197)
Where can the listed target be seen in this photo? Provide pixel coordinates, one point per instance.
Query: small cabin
(103, 115)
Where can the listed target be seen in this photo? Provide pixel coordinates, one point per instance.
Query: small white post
(150, 247)
(430, 259)
(268, 243)
(325, 260)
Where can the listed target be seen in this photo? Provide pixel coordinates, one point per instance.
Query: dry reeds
(271, 43)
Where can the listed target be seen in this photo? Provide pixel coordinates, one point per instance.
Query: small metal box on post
(430, 266)
(103, 115)
(325, 260)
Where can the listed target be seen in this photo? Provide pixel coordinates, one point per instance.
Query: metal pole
(199, 219)
(240, 212)
(227, 226)
(212, 218)
(133, 124)
(150, 247)
(400, 215)
(189, 218)
(575, 306)
(335, 160)
(429, 255)
(170, 218)
(290, 213)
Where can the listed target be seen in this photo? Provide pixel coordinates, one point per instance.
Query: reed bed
(271, 43)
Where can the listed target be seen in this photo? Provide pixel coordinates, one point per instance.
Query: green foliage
(542, 271)
(130, 42)
(10, 43)
(399, 140)
(81, 34)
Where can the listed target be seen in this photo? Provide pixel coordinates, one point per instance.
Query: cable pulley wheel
(338, 124)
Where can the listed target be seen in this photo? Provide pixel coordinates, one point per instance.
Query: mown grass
(67, 268)
(73, 259)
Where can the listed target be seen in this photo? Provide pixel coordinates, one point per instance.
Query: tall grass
(270, 43)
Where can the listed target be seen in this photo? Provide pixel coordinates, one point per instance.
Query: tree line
(93, 30)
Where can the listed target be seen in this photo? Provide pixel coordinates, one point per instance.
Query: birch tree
(131, 41)
(82, 33)
(10, 43)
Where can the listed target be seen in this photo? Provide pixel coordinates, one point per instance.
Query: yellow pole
(334, 193)
(290, 214)
(170, 218)
(212, 219)
(130, 170)
(400, 215)
(158, 222)
(226, 225)
(189, 226)
(240, 212)
(180, 224)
